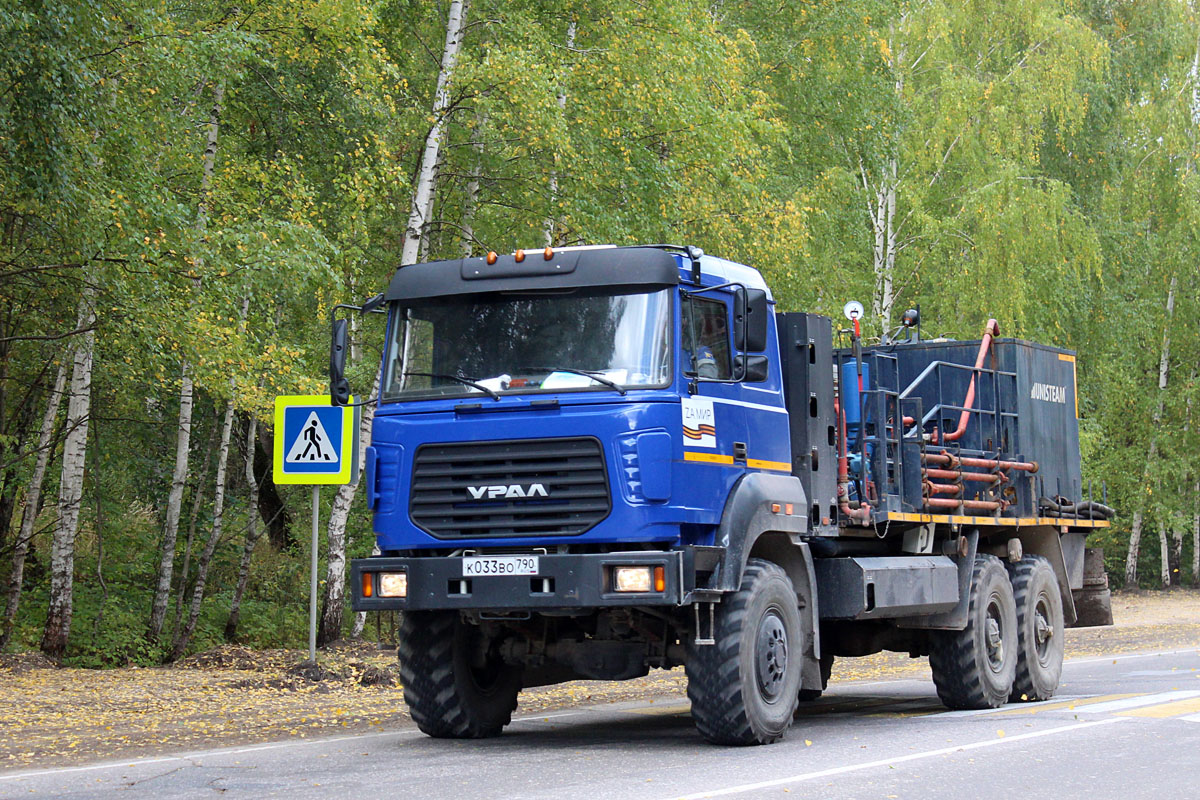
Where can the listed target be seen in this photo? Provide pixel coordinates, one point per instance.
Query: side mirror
(339, 387)
(753, 369)
(750, 320)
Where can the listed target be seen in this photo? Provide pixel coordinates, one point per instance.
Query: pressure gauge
(853, 310)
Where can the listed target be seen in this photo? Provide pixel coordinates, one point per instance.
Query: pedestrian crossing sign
(315, 442)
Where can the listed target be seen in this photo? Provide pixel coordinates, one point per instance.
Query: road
(1123, 727)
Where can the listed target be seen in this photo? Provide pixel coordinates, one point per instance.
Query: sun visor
(617, 269)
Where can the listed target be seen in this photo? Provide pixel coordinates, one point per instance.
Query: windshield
(545, 343)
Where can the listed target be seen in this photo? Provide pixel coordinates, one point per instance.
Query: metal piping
(971, 505)
(863, 512)
(990, 330)
(957, 475)
(942, 488)
(949, 460)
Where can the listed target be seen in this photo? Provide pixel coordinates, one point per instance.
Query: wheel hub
(1043, 630)
(994, 639)
(772, 657)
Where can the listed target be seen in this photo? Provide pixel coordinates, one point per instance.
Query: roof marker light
(548, 253)
(491, 257)
(519, 256)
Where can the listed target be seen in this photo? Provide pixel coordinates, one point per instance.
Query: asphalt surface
(1122, 727)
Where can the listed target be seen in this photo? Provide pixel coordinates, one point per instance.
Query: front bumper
(575, 581)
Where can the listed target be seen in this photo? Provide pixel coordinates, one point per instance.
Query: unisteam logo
(1048, 393)
(507, 491)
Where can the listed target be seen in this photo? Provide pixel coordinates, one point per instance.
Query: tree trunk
(551, 218)
(1164, 556)
(8, 495)
(166, 563)
(1175, 557)
(1135, 533)
(197, 501)
(881, 208)
(185, 636)
(252, 532)
(1196, 540)
(471, 205)
(422, 206)
(33, 497)
(98, 498)
(334, 595)
(70, 489)
(162, 589)
(274, 512)
(422, 201)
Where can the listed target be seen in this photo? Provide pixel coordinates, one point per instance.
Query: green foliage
(1044, 156)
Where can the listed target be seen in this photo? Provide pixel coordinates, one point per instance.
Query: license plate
(475, 566)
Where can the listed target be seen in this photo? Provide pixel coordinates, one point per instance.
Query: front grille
(465, 490)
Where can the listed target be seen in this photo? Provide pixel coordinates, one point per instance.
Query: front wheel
(1039, 629)
(976, 667)
(454, 686)
(744, 688)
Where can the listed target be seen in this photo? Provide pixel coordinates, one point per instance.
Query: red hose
(951, 461)
(972, 505)
(863, 512)
(954, 475)
(990, 330)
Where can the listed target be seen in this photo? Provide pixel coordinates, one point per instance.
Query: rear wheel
(454, 686)
(744, 688)
(976, 667)
(1039, 629)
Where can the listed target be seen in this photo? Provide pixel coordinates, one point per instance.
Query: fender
(748, 515)
(749, 528)
(1045, 541)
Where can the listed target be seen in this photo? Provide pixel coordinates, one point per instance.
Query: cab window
(706, 337)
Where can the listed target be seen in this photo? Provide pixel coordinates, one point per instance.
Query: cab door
(713, 419)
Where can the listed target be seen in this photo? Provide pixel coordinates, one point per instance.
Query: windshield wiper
(587, 373)
(491, 393)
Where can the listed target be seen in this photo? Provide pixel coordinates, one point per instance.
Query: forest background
(187, 188)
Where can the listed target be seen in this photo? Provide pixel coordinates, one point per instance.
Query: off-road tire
(744, 688)
(447, 696)
(809, 695)
(1040, 625)
(976, 667)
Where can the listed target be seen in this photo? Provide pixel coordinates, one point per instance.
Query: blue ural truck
(588, 462)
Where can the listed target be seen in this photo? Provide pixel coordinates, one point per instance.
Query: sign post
(317, 444)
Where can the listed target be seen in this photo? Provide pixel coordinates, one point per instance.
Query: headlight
(632, 579)
(393, 584)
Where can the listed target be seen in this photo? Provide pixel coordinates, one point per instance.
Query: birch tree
(33, 497)
(57, 630)
(333, 598)
(1135, 533)
(184, 637)
(162, 589)
(252, 531)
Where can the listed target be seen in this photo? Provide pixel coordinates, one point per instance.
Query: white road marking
(540, 717)
(887, 762)
(196, 756)
(1070, 661)
(1190, 718)
(1008, 707)
(1134, 702)
(1127, 656)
